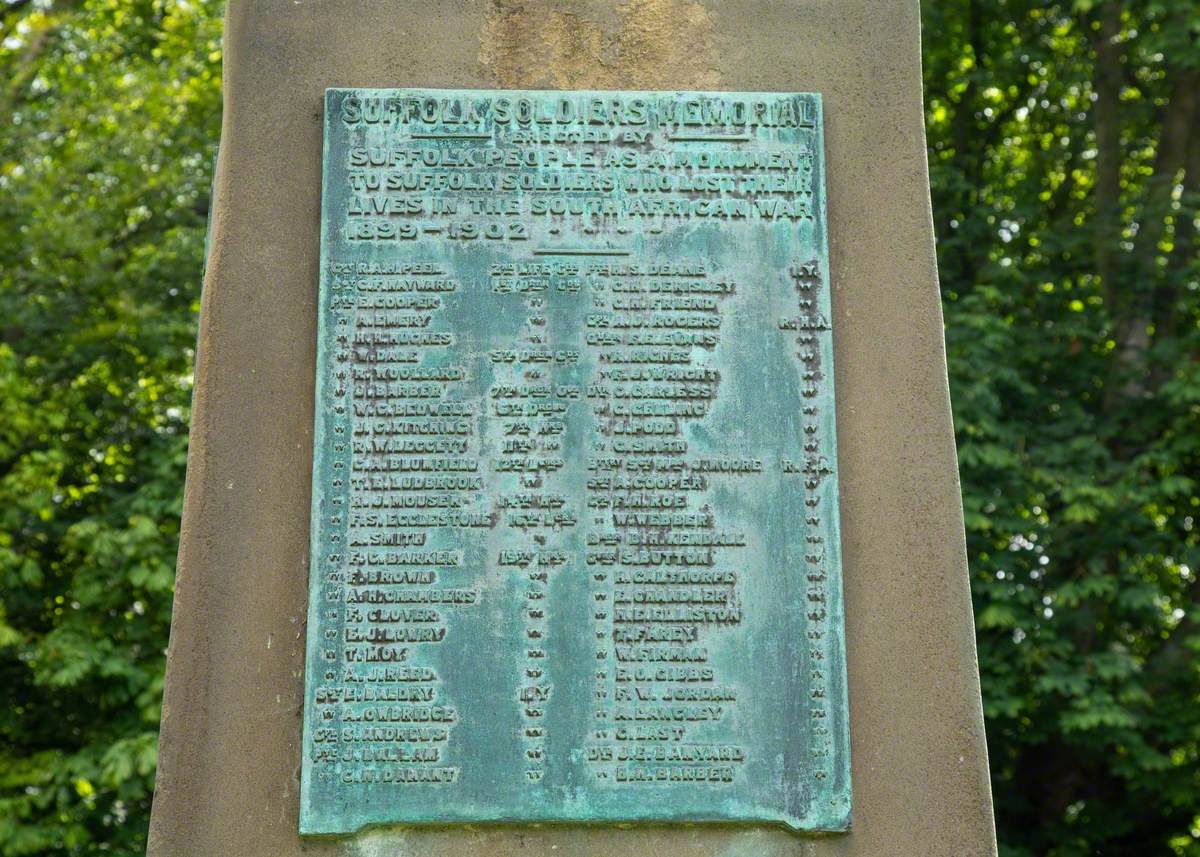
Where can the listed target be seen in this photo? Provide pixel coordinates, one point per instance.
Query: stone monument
(572, 548)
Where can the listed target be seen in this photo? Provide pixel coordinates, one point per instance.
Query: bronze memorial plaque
(575, 545)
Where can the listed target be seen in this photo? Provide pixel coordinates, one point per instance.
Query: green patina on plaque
(575, 547)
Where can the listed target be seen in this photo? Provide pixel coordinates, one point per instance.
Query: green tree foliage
(109, 113)
(1065, 156)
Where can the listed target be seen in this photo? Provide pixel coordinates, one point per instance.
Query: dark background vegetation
(1064, 147)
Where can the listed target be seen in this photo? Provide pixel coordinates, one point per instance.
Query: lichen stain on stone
(648, 44)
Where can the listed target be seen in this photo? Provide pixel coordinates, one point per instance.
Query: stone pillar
(231, 736)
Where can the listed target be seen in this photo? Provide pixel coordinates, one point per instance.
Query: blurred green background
(1064, 152)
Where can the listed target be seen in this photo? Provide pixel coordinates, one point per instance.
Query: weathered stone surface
(231, 750)
(575, 517)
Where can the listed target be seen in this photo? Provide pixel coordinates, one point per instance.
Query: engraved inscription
(575, 546)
